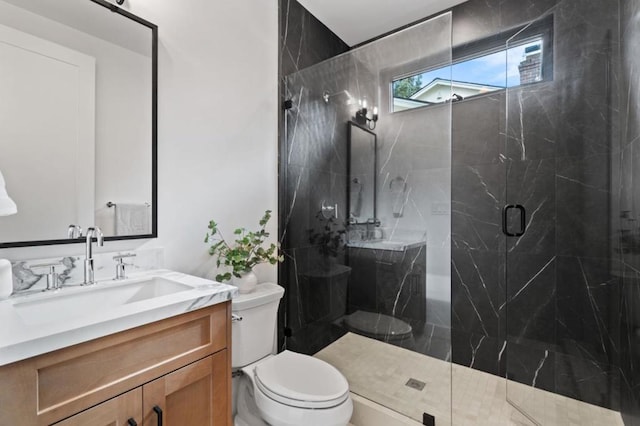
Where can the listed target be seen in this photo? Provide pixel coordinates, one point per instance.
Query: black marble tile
(308, 189)
(532, 121)
(531, 298)
(588, 381)
(531, 366)
(627, 230)
(477, 128)
(304, 40)
(389, 282)
(401, 283)
(531, 184)
(564, 310)
(583, 191)
(630, 333)
(629, 206)
(512, 15)
(474, 20)
(317, 131)
(362, 285)
(323, 292)
(477, 198)
(477, 291)
(585, 53)
(477, 351)
(588, 308)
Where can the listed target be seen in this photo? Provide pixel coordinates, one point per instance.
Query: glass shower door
(368, 189)
(561, 141)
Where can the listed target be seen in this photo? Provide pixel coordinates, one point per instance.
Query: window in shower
(481, 67)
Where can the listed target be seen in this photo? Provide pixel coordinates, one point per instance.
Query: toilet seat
(378, 326)
(301, 381)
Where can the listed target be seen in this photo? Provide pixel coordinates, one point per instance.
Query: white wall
(217, 111)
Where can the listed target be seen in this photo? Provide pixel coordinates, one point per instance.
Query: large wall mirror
(78, 120)
(361, 174)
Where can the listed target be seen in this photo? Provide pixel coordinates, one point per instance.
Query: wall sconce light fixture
(363, 119)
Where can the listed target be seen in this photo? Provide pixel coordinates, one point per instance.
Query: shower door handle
(523, 220)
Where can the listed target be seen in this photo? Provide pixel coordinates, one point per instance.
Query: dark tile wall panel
(304, 41)
(553, 147)
(568, 153)
(628, 225)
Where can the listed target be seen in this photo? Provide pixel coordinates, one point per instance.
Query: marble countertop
(22, 336)
(395, 244)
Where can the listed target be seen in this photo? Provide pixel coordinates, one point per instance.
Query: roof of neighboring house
(453, 83)
(413, 101)
(406, 103)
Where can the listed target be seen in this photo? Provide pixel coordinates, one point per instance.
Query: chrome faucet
(74, 231)
(371, 224)
(88, 261)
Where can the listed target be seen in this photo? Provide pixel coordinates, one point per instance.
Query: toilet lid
(301, 381)
(377, 325)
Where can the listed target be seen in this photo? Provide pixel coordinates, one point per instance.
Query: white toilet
(287, 389)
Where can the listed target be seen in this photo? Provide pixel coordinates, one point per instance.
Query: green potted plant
(240, 256)
(329, 239)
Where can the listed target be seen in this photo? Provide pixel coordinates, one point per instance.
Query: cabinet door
(195, 395)
(123, 410)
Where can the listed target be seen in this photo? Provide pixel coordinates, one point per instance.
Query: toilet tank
(254, 337)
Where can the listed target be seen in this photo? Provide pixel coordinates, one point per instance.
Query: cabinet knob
(132, 422)
(158, 411)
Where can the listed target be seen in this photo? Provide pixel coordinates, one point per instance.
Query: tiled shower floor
(379, 371)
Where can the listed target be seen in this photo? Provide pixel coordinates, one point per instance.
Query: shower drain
(415, 384)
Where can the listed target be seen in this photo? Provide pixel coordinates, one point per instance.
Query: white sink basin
(77, 302)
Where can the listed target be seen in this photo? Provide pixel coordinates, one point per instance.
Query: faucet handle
(52, 277)
(121, 266)
(119, 257)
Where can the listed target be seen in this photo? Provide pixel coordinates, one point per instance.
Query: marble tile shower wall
(560, 314)
(314, 156)
(572, 319)
(629, 179)
(414, 147)
(304, 41)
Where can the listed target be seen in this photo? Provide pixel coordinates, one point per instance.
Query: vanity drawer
(56, 385)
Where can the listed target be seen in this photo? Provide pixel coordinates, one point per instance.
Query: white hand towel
(133, 219)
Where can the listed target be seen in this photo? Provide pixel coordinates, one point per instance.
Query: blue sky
(498, 69)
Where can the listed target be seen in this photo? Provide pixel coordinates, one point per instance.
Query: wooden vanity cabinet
(178, 368)
(123, 410)
(192, 395)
